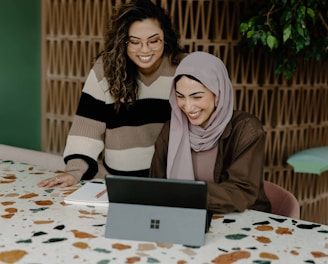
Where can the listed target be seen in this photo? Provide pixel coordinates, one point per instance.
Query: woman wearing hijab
(206, 140)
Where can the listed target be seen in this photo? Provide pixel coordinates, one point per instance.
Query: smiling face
(195, 100)
(145, 46)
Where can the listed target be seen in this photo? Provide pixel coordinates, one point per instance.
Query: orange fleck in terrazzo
(89, 213)
(7, 203)
(10, 177)
(284, 231)
(132, 260)
(188, 251)
(5, 182)
(263, 239)
(146, 246)
(7, 216)
(294, 252)
(214, 217)
(12, 194)
(28, 195)
(84, 212)
(70, 191)
(318, 254)
(12, 256)
(164, 245)
(95, 213)
(120, 246)
(80, 234)
(81, 245)
(267, 255)
(264, 228)
(231, 257)
(44, 202)
(43, 222)
(11, 210)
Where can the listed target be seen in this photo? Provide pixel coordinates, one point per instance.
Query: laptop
(157, 210)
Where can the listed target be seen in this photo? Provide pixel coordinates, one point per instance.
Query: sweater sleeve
(76, 167)
(85, 141)
(239, 184)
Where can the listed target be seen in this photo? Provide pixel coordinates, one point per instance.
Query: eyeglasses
(152, 44)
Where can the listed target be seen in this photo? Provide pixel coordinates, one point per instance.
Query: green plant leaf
(299, 46)
(250, 33)
(243, 27)
(310, 12)
(288, 16)
(300, 30)
(255, 37)
(263, 37)
(287, 32)
(272, 42)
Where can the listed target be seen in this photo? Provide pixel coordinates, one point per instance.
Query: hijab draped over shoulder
(184, 136)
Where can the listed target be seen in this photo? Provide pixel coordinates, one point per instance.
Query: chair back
(283, 202)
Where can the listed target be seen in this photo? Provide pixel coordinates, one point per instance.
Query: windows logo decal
(154, 223)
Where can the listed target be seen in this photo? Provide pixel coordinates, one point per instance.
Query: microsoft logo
(154, 224)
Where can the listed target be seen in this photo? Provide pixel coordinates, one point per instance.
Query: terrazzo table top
(36, 226)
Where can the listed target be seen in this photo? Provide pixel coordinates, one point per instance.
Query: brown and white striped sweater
(125, 139)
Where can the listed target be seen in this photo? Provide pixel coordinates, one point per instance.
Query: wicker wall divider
(294, 115)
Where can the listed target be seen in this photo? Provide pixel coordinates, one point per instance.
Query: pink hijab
(184, 136)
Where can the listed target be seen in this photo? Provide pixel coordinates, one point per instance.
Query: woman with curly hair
(124, 102)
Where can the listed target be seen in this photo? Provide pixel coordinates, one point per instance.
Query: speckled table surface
(36, 226)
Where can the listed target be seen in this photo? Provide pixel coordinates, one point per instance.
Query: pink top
(203, 164)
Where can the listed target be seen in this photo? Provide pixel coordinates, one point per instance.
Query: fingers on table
(51, 181)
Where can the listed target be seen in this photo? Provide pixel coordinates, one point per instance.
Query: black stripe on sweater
(138, 173)
(93, 165)
(145, 111)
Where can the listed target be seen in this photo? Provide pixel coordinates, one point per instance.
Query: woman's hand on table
(63, 180)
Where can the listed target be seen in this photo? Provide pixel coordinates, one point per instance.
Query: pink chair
(282, 201)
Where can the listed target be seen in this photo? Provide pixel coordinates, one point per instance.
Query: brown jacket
(238, 172)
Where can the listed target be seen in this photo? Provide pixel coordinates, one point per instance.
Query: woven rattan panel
(295, 116)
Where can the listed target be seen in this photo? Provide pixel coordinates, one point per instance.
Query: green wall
(20, 73)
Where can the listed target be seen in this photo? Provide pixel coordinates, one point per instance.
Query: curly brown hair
(120, 72)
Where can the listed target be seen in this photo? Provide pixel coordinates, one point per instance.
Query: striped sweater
(123, 140)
